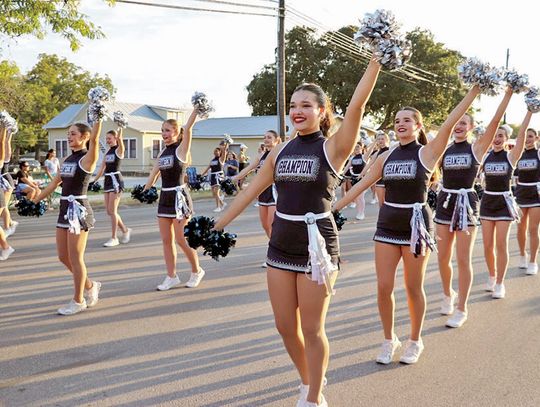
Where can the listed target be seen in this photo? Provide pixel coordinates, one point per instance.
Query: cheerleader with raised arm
(382, 142)
(7, 186)
(6, 249)
(175, 206)
(404, 227)
(456, 216)
(304, 241)
(216, 176)
(75, 217)
(355, 168)
(114, 186)
(528, 199)
(498, 208)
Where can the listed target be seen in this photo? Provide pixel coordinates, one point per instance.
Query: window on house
(131, 148)
(157, 146)
(61, 147)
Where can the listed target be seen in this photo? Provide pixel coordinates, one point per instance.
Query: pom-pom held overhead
(96, 107)
(228, 186)
(228, 139)
(339, 219)
(26, 207)
(531, 99)
(518, 83)
(149, 196)
(377, 26)
(393, 53)
(8, 122)
(120, 119)
(202, 104)
(474, 72)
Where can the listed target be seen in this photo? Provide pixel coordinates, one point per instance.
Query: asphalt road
(216, 345)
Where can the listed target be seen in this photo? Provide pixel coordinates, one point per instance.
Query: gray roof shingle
(248, 126)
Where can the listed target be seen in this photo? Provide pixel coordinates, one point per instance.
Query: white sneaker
(457, 319)
(111, 242)
(195, 278)
(92, 295)
(256, 204)
(126, 237)
(11, 230)
(168, 283)
(413, 350)
(490, 284)
(498, 291)
(72, 308)
(388, 348)
(523, 261)
(304, 390)
(353, 205)
(264, 265)
(447, 307)
(218, 209)
(5, 253)
(374, 201)
(532, 269)
(305, 403)
(361, 216)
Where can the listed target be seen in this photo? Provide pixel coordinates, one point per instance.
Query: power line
(230, 3)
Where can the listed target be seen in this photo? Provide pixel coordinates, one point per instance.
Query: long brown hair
(327, 120)
(174, 124)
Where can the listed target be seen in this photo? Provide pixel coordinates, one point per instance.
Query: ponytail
(422, 137)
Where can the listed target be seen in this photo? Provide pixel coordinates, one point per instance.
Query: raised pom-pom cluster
(8, 122)
(518, 83)
(531, 99)
(96, 107)
(202, 104)
(120, 119)
(475, 72)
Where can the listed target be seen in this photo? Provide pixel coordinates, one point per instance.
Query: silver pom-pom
(474, 72)
(8, 122)
(202, 104)
(531, 99)
(364, 137)
(393, 53)
(120, 119)
(228, 139)
(96, 107)
(377, 26)
(518, 83)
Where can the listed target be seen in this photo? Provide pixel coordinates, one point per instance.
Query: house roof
(247, 126)
(140, 117)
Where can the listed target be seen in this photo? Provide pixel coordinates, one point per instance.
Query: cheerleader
(382, 144)
(7, 186)
(498, 208)
(113, 186)
(75, 217)
(6, 249)
(456, 216)
(304, 239)
(175, 206)
(216, 176)
(267, 199)
(355, 167)
(406, 171)
(528, 199)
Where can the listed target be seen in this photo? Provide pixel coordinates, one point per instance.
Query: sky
(161, 56)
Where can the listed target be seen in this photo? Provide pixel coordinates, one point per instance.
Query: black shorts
(443, 216)
(108, 183)
(216, 179)
(86, 224)
(527, 196)
(288, 247)
(394, 225)
(494, 207)
(167, 203)
(266, 198)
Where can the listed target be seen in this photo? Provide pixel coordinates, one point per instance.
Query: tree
(35, 17)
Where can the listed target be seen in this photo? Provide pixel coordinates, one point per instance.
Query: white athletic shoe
(5, 253)
(305, 403)
(499, 291)
(353, 205)
(72, 308)
(92, 295)
(457, 319)
(168, 283)
(413, 350)
(523, 261)
(218, 209)
(361, 216)
(374, 201)
(304, 390)
(388, 348)
(195, 278)
(532, 269)
(111, 242)
(490, 284)
(126, 237)
(447, 307)
(11, 230)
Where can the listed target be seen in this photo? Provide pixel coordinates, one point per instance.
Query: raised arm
(185, 145)
(515, 153)
(435, 148)
(7, 146)
(252, 165)
(341, 144)
(483, 143)
(3, 134)
(88, 162)
(120, 142)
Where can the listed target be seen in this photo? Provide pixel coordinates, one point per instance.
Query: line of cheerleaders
(304, 173)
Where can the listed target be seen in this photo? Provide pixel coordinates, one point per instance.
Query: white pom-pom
(518, 83)
(377, 26)
(96, 108)
(228, 139)
(531, 99)
(202, 104)
(8, 122)
(474, 72)
(393, 53)
(120, 119)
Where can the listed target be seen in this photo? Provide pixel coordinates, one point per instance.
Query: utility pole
(281, 70)
(507, 59)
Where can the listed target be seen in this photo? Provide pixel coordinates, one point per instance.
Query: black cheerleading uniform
(406, 182)
(268, 197)
(6, 175)
(380, 182)
(6, 184)
(305, 182)
(459, 170)
(528, 183)
(113, 177)
(357, 165)
(497, 174)
(216, 172)
(75, 182)
(174, 199)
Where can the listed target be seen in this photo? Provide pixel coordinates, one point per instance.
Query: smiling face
(110, 139)
(531, 139)
(463, 128)
(501, 137)
(76, 139)
(357, 149)
(382, 140)
(169, 133)
(406, 126)
(305, 112)
(270, 140)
